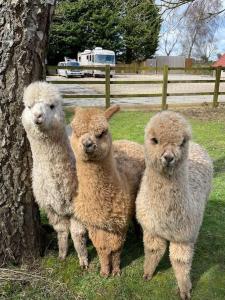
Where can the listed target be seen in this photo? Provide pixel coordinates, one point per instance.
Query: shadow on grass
(209, 250)
(134, 249)
(52, 247)
(210, 247)
(219, 166)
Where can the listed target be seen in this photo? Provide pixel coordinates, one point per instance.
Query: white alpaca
(54, 168)
(173, 193)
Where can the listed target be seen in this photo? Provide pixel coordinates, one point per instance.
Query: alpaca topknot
(41, 91)
(169, 123)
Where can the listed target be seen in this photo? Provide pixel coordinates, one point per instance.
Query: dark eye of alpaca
(183, 143)
(29, 106)
(154, 141)
(104, 132)
(52, 106)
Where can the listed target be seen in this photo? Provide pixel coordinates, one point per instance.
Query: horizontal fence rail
(108, 82)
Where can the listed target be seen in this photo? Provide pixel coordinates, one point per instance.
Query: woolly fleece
(54, 170)
(109, 178)
(173, 193)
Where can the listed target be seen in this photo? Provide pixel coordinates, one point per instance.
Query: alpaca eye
(154, 141)
(29, 106)
(52, 106)
(183, 143)
(104, 132)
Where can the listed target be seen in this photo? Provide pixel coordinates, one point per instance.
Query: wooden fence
(164, 94)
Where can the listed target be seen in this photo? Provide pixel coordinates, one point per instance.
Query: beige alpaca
(173, 194)
(109, 177)
(54, 170)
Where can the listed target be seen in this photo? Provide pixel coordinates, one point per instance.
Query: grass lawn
(65, 280)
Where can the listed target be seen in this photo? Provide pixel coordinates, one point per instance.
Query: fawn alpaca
(108, 176)
(172, 197)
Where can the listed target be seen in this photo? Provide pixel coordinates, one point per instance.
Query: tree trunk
(24, 29)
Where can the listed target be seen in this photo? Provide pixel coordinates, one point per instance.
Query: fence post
(217, 87)
(164, 87)
(107, 86)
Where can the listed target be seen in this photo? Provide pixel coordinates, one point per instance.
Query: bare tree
(23, 36)
(170, 35)
(174, 4)
(205, 50)
(196, 28)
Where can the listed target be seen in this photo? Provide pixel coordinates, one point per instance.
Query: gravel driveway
(93, 89)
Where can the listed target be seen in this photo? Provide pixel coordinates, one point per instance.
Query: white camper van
(69, 73)
(97, 57)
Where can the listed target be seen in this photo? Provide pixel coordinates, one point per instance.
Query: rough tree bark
(24, 29)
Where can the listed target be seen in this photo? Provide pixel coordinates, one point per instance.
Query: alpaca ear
(72, 123)
(75, 110)
(111, 111)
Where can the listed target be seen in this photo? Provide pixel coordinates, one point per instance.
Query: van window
(105, 58)
(72, 64)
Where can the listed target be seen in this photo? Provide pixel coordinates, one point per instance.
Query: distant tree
(130, 28)
(166, 5)
(170, 34)
(205, 50)
(196, 28)
(83, 24)
(140, 26)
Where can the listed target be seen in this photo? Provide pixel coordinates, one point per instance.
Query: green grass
(65, 280)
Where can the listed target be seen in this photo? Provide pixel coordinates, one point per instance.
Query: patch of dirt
(205, 112)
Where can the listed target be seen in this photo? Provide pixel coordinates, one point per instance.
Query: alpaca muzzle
(168, 159)
(89, 146)
(38, 119)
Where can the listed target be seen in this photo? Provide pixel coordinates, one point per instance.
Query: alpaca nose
(168, 157)
(89, 146)
(38, 118)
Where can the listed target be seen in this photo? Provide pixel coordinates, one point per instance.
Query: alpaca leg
(63, 243)
(154, 248)
(181, 258)
(105, 261)
(61, 226)
(101, 241)
(116, 263)
(78, 234)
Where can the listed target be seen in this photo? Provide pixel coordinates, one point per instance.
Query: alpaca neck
(177, 180)
(48, 148)
(97, 171)
(45, 141)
